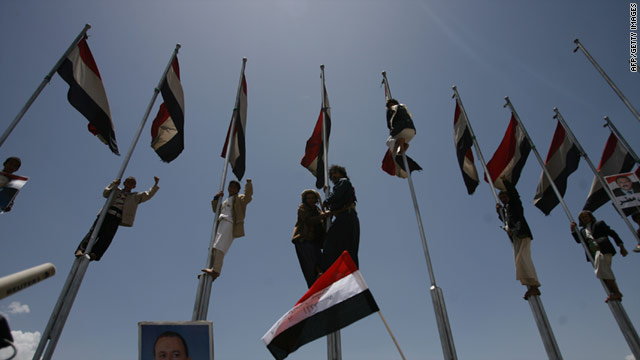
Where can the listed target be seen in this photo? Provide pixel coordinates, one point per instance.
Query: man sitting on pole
(230, 223)
(596, 234)
(520, 235)
(344, 232)
(121, 212)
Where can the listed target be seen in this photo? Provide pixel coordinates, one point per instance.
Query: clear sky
(520, 49)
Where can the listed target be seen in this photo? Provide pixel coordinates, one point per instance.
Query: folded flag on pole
(562, 160)
(87, 94)
(464, 142)
(313, 158)
(237, 154)
(615, 160)
(167, 130)
(338, 298)
(510, 157)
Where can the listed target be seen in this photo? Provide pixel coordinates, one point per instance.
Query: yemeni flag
(337, 299)
(86, 92)
(562, 160)
(510, 157)
(167, 130)
(313, 158)
(463, 141)
(237, 155)
(390, 165)
(615, 160)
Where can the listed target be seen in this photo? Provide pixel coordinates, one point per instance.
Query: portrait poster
(10, 185)
(626, 189)
(188, 340)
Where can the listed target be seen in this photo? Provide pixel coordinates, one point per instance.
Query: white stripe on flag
(89, 81)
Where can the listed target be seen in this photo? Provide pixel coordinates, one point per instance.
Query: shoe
(78, 253)
(637, 248)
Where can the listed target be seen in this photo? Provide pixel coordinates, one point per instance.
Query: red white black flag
(510, 157)
(615, 160)
(313, 158)
(167, 130)
(87, 94)
(237, 154)
(463, 141)
(562, 160)
(337, 299)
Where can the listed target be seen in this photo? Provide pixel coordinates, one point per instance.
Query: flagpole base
(444, 328)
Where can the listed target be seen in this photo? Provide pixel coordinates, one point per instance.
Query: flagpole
(437, 297)
(203, 293)
(629, 332)
(61, 311)
(539, 314)
(391, 334)
(609, 81)
(598, 175)
(621, 138)
(44, 83)
(616, 309)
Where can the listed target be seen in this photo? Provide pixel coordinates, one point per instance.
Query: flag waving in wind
(510, 157)
(463, 141)
(562, 160)
(337, 299)
(87, 94)
(615, 160)
(313, 158)
(167, 131)
(237, 154)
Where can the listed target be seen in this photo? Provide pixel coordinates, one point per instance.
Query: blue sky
(489, 50)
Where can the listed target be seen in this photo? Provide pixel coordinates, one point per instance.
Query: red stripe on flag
(342, 267)
(556, 142)
(87, 57)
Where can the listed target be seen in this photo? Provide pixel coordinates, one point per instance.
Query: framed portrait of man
(175, 340)
(626, 189)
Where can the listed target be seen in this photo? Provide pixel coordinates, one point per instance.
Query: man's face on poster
(170, 348)
(624, 183)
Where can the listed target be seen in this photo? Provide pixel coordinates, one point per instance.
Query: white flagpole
(614, 305)
(609, 81)
(203, 293)
(539, 314)
(437, 297)
(61, 311)
(44, 83)
(334, 343)
(629, 332)
(391, 334)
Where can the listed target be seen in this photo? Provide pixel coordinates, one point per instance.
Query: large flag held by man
(87, 94)
(615, 160)
(313, 158)
(237, 154)
(464, 142)
(167, 130)
(510, 157)
(562, 160)
(337, 299)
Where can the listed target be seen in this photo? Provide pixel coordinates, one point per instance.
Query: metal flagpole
(61, 311)
(539, 314)
(615, 308)
(621, 138)
(44, 83)
(619, 313)
(609, 81)
(437, 297)
(203, 293)
(334, 343)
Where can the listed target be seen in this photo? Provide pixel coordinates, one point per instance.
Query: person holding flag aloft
(596, 234)
(230, 222)
(512, 213)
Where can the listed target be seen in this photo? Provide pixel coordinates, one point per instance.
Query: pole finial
(87, 26)
(244, 60)
(384, 73)
(322, 66)
(178, 46)
(506, 98)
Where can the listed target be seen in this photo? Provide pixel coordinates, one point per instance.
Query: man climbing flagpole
(234, 147)
(442, 318)
(61, 311)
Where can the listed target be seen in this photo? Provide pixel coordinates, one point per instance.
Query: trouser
(525, 271)
(103, 238)
(309, 256)
(343, 235)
